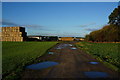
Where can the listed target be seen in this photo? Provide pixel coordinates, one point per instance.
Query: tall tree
(119, 14)
(109, 33)
(114, 17)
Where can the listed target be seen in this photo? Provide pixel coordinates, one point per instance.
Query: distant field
(16, 54)
(108, 52)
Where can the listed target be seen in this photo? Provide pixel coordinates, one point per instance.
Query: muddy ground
(73, 64)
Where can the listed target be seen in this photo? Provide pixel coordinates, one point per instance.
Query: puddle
(94, 74)
(94, 62)
(42, 65)
(70, 45)
(58, 48)
(63, 46)
(73, 48)
(50, 52)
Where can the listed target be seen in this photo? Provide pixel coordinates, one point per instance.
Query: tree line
(110, 32)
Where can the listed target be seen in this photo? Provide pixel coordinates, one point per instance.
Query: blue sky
(57, 18)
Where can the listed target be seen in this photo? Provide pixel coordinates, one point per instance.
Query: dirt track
(72, 64)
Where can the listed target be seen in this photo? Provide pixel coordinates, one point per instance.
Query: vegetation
(17, 54)
(109, 33)
(114, 17)
(107, 52)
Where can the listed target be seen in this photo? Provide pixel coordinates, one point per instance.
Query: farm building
(66, 38)
(71, 39)
(49, 38)
(13, 34)
(79, 39)
(34, 38)
(42, 38)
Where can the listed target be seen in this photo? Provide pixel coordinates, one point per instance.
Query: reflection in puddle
(94, 62)
(58, 48)
(93, 74)
(73, 48)
(42, 65)
(70, 45)
(63, 46)
(50, 52)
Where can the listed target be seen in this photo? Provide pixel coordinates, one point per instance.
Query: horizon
(71, 19)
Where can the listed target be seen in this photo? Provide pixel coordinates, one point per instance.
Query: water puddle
(50, 52)
(58, 48)
(73, 48)
(65, 45)
(42, 65)
(61, 46)
(94, 62)
(70, 45)
(94, 74)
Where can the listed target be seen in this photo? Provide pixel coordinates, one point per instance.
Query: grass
(15, 55)
(105, 52)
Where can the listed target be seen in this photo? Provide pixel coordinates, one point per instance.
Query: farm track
(72, 64)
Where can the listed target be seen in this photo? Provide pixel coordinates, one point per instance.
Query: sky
(75, 19)
(59, 0)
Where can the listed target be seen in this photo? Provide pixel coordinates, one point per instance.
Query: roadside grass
(108, 53)
(15, 55)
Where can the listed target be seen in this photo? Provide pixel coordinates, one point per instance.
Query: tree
(114, 17)
(109, 33)
(119, 15)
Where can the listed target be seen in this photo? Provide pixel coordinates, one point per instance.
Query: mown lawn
(15, 55)
(106, 52)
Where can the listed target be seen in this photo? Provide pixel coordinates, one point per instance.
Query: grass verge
(15, 55)
(107, 53)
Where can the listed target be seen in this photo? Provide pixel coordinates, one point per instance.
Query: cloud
(91, 29)
(71, 34)
(7, 23)
(86, 25)
(48, 30)
(39, 28)
(32, 25)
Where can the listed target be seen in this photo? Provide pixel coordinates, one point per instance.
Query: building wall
(70, 39)
(35, 37)
(79, 39)
(66, 39)
(13, 34)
